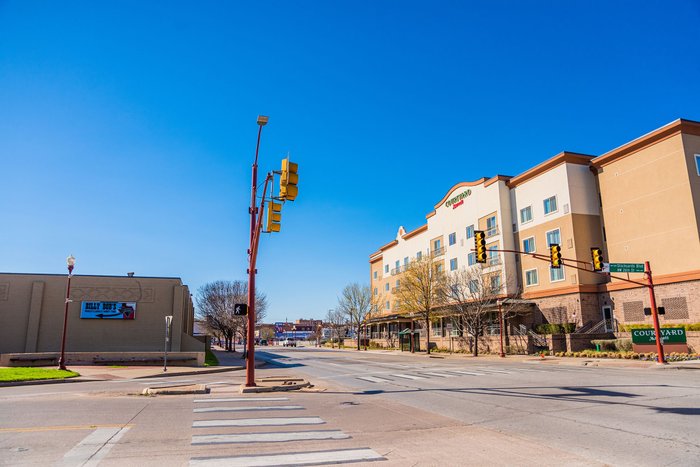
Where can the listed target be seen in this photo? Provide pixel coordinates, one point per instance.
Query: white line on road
(243, 399)
(441, 375)
(298, 458)
(275, 421)
(93, 447)
(409, 376)
(470, 373)
(246, 409)
(165, 381)
(269, 437)
(489, 370)
(374, 379)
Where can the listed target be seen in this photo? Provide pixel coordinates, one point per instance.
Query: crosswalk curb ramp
(275, 384)
(176, 390)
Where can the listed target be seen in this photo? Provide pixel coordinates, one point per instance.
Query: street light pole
(70, 262)
(250, 339)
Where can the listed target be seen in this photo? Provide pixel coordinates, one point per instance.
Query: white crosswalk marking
(374, 379)
(489, 370)
(93, 447)
(298, 458)
(470, 373)
(275, 421)
(269, 437)
(409, 376)
(242, 399)
(247, 409)
(440, 375)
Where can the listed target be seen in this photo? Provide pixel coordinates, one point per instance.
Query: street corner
(276, 384)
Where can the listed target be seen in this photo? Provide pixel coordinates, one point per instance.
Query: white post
(168, 322)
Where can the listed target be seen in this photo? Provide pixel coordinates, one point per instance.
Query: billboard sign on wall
(108, 310)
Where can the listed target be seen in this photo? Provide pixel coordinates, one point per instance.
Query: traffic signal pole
(655, 314)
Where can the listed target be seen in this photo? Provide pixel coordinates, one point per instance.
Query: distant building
(300, 329)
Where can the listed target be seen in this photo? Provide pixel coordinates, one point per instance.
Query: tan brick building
(639, 202)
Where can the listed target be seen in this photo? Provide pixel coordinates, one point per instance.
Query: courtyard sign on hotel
(458, 200)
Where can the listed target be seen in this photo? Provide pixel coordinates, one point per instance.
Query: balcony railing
(494, 261)
(438, 252)
(492, 232)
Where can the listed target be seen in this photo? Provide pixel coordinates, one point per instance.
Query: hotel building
(639, 202)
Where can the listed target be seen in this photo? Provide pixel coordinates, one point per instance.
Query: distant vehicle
(289, 343)
(263, 342)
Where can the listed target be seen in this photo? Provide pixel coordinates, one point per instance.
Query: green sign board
(626, 267)
(668, 336)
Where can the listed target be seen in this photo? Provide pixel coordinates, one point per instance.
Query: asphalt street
(366, 407)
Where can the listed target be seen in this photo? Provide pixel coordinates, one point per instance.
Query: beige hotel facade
(638, 202)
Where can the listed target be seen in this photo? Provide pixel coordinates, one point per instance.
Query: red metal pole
(655, 315)
(500, 317)
(250, 338)
(62, 359)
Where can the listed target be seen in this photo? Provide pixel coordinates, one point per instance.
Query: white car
(289, 343)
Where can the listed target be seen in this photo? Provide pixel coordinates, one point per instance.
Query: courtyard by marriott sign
(458, 200)
(668, 336)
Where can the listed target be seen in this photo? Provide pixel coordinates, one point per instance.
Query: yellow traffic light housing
(274, 216)
(480, 246)
(598, 260)
(289, 180)
(555, 255)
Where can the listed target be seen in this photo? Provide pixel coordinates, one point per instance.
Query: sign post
(168, 323)
(655, 315)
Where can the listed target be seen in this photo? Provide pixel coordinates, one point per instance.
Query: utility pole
(655, 314)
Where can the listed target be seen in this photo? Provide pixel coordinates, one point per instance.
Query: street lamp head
(262, 120)
(70, 262)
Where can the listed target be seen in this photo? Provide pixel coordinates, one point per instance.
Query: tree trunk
(476, 344)
(358, 337)
(427, 334)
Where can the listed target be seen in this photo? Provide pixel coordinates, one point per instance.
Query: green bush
(548, 328)
(687, 327)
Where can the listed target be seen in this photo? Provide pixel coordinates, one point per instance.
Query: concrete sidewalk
(228, 361)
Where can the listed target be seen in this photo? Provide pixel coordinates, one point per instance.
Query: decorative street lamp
(70, 262)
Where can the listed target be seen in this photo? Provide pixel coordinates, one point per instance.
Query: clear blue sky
(127, 129)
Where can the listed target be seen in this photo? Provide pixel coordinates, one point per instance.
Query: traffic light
(480, 246)
(597, 255)
(289, 180)
(555, 255)
(274, 216)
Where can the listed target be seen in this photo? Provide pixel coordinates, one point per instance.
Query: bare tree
(336, 322)
(471, 296)
(419, 291)
(215, 306)
(355, 302)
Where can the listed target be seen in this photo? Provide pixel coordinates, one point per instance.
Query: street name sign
(668, 336)
(626, 267)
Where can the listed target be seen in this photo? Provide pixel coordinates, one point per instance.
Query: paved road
(367, 407)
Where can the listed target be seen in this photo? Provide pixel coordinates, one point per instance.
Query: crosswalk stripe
(373, 379)
(274, 421)
(489, 370)
(247, 409)
(470, 373)
(409, 376)
(276, 437)
(297, 458)
(166, 381)
(441, 375)
(93, 447)
(242, 399)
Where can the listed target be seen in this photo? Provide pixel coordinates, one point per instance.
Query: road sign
(626, 267)
(240, 309)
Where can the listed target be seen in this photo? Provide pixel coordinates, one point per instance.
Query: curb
(37, 382)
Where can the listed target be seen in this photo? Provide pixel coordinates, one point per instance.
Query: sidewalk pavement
(228, 361)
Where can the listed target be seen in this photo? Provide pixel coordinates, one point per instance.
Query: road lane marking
(94, 447)
(441, 375)
(274, 421)
(374, 379)
(166, 381)
(298, 458)
(277, 437)
(58, 428)
(246, 409)
(409, 376)
(243, 399)
(470, 373)
(489, 370)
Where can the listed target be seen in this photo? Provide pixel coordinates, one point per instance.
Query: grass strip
(31, 374)
(210, 359)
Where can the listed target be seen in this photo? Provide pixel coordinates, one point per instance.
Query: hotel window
(398, 265)
(531, 277)
(388, 305)
(526, 215)
(405, 261)
(419, 255)
(553, 237)
(697, 163)
(471, 259)
(470, 232)
(493, 256)
(386, 269)
(550, 205)
(439, 268)
(453, 264)
(375, 274)
(397, 283)
(376, 291)
(437, 244)
(452, 238)
(386, 286)
(556, 275)
(529, 245)
(491, 226)
(496, 283)
(473, 286)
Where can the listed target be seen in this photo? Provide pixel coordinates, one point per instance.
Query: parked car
(289, 343)
(263, 342)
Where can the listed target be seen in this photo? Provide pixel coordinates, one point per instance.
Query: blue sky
(127, 129)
